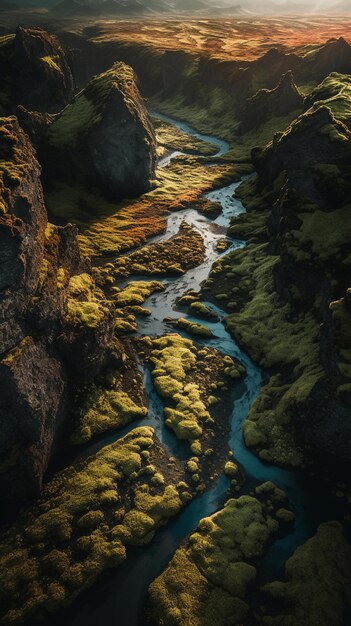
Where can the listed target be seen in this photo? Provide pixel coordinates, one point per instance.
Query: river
(121, 597)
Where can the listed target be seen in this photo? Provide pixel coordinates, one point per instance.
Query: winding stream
(120, 598)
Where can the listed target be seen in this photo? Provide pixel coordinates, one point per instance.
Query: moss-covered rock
(35, 72)
(187, 376)
(316, 587)
(83, 523)
(105, 137)
(278, 289)
(176, 255)
(277, 102)
(208, 580)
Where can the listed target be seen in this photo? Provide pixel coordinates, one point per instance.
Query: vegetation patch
(191, 380)
(175, 256)
(86, 305)
(190, 300)
(111, 402)
(128, 303)
(208, 580)
(192, 328)
(107, 228)
(316, 587)
(87, 516)
(170, 139)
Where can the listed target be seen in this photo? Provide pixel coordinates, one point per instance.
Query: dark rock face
(105, 137)
(267, 103)
(317, 138)
(335, 56)
(41, 77)
(22, 226)
(47, 292)
(32, 407)
(309, 232)
(273, 65)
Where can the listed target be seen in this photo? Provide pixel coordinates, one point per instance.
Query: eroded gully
(120, 598)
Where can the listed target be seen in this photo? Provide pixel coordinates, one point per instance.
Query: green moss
(207, 580)
(192, 328)
(74, 120)
(170, 138)
(85, 305)
(231, 469)
(264, 325)
(80, 526)
(322, 235)
(181, 252)
(334, 91)
(86, 109)
(135, 293)
(184, 375)
(316, 589)
(111, 228)
(105, 410)
(201, 310)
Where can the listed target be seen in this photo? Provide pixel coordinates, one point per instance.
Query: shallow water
(120, 599)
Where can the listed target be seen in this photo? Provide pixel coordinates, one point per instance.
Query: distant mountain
(70, 8)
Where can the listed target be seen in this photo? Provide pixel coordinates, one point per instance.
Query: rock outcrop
(34, 71)
(335, 92)
(269, 103)
(289, 308)
(319, 140)
(55, 326)
(334, 56)
(105, 137)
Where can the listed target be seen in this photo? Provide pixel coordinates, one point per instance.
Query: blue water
(120, 598)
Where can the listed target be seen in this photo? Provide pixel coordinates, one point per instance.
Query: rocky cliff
(54, 326)
(334, 56)
(105, 137)
(286, 290)
(269, 103)
(34, 72)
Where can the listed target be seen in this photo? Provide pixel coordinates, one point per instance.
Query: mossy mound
(191, 301)
(188, 377)
(207, 580)
(81, 526)
(193, 328)
(171, 139)
(128, 303)
(261, 322)
(278, 289)
(111, 402)
(86, 305)
(316, 588)
(334, 92)
(176, 255)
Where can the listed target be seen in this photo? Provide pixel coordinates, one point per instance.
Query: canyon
(175, 344)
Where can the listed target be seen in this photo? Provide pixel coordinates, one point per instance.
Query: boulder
(105, 138)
